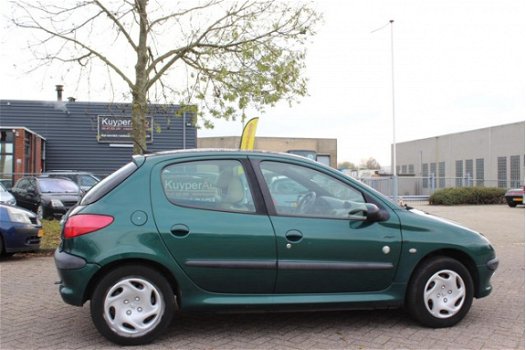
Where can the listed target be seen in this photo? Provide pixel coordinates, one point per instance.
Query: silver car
(5, 196)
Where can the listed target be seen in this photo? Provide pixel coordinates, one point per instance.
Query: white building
(491, 157)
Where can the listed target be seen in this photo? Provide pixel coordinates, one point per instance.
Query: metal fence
(420, 188)
(410, 188)
(9, 179)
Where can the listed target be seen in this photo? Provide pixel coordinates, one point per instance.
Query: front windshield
(57, 186)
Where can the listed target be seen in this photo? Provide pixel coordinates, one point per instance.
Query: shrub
(468, 195)
(51, 239)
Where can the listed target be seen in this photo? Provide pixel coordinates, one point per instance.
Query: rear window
(55, 185)
(108, 184)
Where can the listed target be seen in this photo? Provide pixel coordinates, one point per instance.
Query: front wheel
(132, 305)
(440, 292)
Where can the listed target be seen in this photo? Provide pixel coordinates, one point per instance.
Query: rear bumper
(75, 274)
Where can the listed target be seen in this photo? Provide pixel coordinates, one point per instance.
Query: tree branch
(117, 23)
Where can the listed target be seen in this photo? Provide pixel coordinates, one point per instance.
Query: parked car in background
(5, 196)
(48, 197)
(20, 230)
(83, 179)
(239, 230)
(515, 196)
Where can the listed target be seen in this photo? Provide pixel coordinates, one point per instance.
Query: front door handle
(294, 236)
(180, 230)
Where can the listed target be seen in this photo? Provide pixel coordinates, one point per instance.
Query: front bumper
(22, 238)
(75, 274)
(486, 271)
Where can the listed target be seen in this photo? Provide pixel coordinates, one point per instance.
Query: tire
(440, 292)
(132, 305)
(512, 204)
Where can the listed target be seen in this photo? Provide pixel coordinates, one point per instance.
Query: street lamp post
(393, 149)
(395, 175)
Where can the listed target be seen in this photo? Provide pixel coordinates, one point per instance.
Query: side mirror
(366, 212)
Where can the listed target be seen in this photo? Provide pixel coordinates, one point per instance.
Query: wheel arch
(458, 255)
(142, 262)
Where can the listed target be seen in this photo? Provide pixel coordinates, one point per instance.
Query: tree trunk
(139, 110)
(139, 103)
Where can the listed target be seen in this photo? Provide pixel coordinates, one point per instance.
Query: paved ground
(33, 316)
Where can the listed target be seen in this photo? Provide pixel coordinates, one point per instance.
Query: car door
(320, 248)
(213, 222)
(21, 193)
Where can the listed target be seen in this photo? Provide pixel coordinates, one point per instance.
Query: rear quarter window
(109, 183)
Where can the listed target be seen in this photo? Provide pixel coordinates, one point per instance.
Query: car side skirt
(392, 297)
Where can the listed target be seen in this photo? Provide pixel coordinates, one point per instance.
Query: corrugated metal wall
(70, 130)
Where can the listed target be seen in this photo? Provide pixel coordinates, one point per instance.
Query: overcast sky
(459, 65)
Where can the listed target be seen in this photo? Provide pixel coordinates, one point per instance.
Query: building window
(469, 171)
(515, 171)
(459, 173)
(479, 165)
(502, 172)
(6, 157)
(411, 169)
(442, 174)
(28, 145)
(425, 174)
(404, 169)
(433, 174)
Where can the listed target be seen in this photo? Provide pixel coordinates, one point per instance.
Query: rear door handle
(180, 230)
(294, 236)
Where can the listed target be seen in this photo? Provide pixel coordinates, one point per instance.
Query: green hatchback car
(240, 231)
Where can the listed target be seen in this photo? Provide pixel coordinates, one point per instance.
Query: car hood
(442, 220)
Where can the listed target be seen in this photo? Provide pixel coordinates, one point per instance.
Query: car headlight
(57, 203)
(18, 215)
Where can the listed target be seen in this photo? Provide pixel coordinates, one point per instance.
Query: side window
(302, 191)
(211, 184)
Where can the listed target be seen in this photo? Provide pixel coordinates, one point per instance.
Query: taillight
(81, 224)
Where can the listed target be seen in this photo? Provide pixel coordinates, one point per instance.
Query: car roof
(225, 152)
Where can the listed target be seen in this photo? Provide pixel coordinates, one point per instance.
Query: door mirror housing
(367, 212)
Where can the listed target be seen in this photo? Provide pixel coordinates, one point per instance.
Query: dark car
(48, 197)
(20, 230)
(515, 196)
(83, 179)
(237, 231)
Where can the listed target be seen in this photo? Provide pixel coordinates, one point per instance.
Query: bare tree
(347, 165)
(220, 57)
(370, 163)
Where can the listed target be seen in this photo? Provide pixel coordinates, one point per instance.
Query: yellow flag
(249, 134)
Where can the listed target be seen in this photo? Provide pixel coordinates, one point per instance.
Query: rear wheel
(132, 305)
(440, 292)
